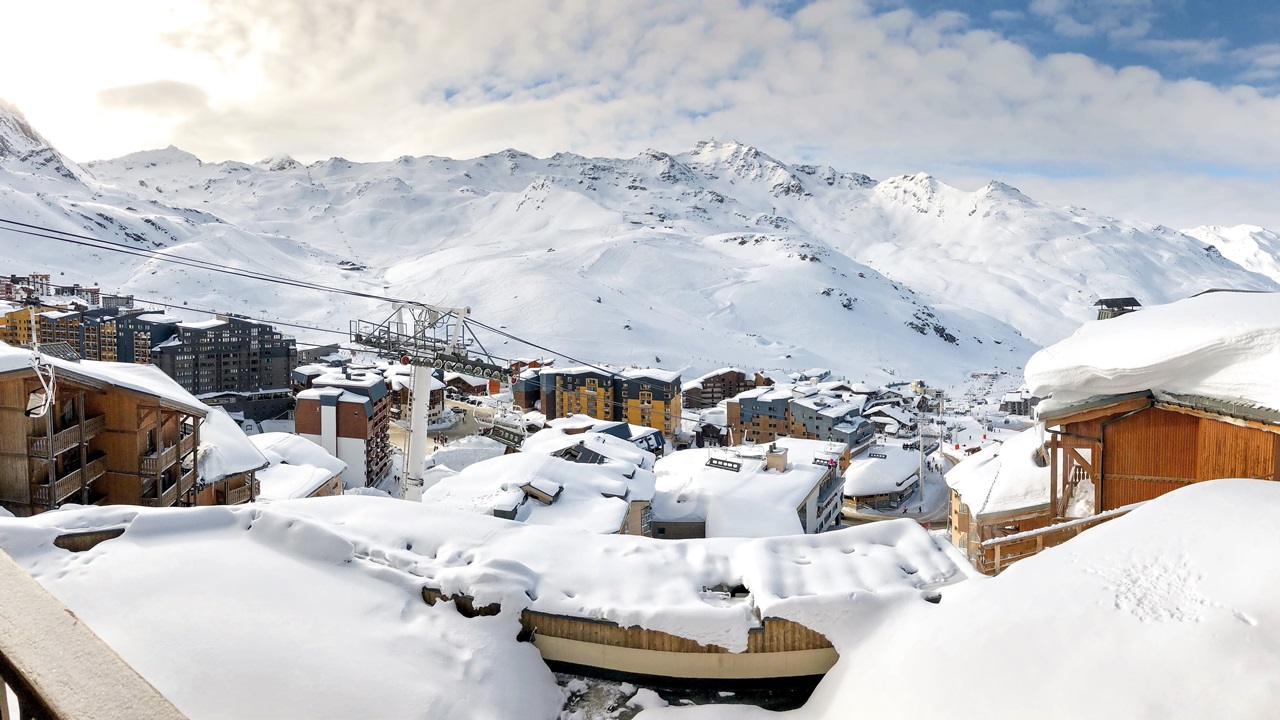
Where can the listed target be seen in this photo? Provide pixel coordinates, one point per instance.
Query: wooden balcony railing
(242, 494)
(56, 667)
(69, 483)
(154, 463)
(186, 444)
(38, 447)
(166, 499)
(187, 481)
(999, 553)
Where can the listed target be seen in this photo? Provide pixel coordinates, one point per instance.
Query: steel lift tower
(428, 337)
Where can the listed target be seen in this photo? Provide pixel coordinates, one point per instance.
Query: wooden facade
(776, 649)
(1138, 448)
(99, 443)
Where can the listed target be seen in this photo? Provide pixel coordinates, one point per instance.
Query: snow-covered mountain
(1252, 247)
(719, 255)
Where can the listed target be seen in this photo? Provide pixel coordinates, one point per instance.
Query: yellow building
(638, 396)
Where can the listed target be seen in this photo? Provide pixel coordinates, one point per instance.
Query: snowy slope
(717, 256)
(1252, 247)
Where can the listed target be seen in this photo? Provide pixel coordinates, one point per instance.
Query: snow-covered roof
(145, 379)
(663, 376)
(1223, 345)
(689, 490)
(471, 380)
(554, 439)
(339, 395)
(586, 496)
(224, 449)
(880, 470)
(298, 467)
(203, 324)
(159, 318)
(352, 379)
(466, 451)
(1003, 477)
(277, 575)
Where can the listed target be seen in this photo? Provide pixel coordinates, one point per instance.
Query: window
(646, 398)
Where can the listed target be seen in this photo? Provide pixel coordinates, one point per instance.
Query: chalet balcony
(186, 482)
(68, 484)
(186, 444)
(155, 463)
(166, 499)
(38, 447)
(235, 496)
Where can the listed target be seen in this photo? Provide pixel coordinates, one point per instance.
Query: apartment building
(638, 396)
(348, 413)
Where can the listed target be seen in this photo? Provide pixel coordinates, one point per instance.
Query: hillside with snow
(721, 255)
(1253, 248)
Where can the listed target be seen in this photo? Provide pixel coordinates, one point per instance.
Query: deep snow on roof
(869, 474)
(1167, 612)
(689, 490)
(1222, 345)
(298, 466)
(224, 448)
(320, 544)
(588, 497)
(146, 379)
(1003, 476)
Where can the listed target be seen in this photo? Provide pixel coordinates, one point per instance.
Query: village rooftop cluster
(730, 530)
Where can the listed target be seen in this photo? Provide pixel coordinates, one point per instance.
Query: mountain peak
(278, 163)
(17, 137)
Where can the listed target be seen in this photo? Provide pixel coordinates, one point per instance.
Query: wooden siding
(1231, 451)
(774, 634)
(1161, 449)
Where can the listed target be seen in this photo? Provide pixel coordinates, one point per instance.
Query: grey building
(227, 354)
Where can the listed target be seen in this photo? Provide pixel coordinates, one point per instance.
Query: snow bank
(1223, 345)
(243, 612)
(1167, 612)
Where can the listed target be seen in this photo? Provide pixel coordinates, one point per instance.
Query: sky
(1158, 110)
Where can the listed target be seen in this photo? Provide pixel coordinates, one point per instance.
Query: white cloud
(837, 82)
(1116, 19)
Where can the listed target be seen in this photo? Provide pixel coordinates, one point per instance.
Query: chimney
(775, 458)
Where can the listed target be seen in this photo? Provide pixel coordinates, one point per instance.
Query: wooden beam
(1053, 476)
(1116, 408)
(1239, 422)
(1075, 455)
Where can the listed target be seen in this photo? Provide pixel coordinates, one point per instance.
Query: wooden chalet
(108, 437)
(1131, 448)
(1116, 452)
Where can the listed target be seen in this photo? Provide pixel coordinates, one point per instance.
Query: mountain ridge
(719, 255)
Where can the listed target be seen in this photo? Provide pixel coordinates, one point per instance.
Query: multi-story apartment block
(638, 396)
(799, 411)
(708, 390)
(226, 353)
(348, 412)
(110, 434)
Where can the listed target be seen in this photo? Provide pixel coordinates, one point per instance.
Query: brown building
(637, 396)
(1131, 448)
(708, 390)
(347, 412)
(112, 434)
